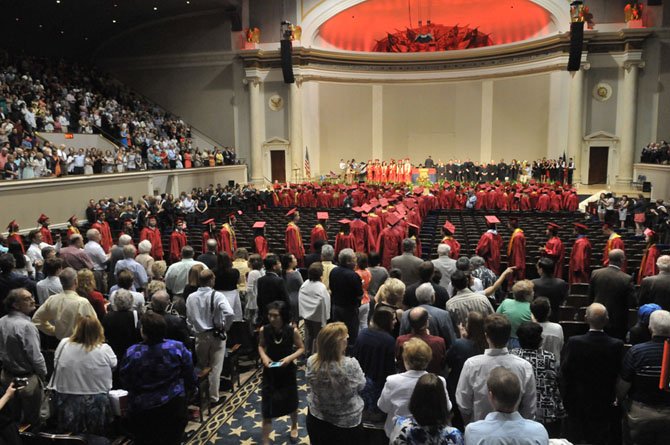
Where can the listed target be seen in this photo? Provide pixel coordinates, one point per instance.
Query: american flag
(308, 170)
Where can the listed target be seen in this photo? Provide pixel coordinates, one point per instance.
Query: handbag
(216, 332)
(48, 404)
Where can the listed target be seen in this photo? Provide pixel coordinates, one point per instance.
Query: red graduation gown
(154, 237)
(648, 266)
(614, 242)
(376, 226)
(177, 241)
(72, 230)
(46, 235)
(261, 246)
(106, 241)
(455, 246)
(363, 238)
(228, 239)
(554, 249)
(293, 242)
(344, 241)
(16, 237)
(206, 236)
(389, 245)
(489, 248)
(580, 261)
(543, 203)
(318, 233)
(516, 254)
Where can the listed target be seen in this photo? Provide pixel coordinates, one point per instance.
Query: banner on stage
(421, 175)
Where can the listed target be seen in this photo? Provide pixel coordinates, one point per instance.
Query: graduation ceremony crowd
(454, 350)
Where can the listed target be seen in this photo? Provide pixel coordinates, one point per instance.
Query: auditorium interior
(281, 98)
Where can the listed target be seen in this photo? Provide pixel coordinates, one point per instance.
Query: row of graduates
(496, 196)
(579, 270)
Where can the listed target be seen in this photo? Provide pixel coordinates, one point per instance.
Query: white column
(378, 122)
(485, 154)
(576, 120)
(297, 155)
(256, 124)
(628, 122)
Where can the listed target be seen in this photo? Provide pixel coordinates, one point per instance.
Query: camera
(20, 382)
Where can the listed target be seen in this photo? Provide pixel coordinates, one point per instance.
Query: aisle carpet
(238, 420)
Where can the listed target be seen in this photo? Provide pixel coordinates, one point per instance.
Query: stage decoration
(433, 37)
(253, 35)
(632, 11)
(296, 32)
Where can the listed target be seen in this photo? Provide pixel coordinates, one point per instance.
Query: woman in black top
(226, 282)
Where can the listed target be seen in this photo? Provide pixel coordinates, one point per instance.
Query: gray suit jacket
(614, 289)
(408, 265)
(439, 324)
(656, 289)
(446, 266)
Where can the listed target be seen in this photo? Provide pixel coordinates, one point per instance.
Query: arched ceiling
(359, 27)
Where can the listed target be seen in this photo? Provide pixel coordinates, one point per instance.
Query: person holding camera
(22, 360)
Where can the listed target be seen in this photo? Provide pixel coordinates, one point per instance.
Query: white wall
(79, 140)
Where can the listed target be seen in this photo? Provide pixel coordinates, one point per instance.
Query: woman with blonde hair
(82, 378)
(86, 288)
(334, 380)
(391, 294)
(517, 309)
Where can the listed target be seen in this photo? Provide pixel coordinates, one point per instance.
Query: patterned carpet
(238, 420)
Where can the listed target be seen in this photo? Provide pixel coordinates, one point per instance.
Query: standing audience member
(465, 301)
(9, 279)
(144, 257)
(445, 264)
(472, 391)
(590, 364)
(158, 374)
(394, 400)
(86, 289)
(122, 324)
(646, 407)
(418, 321)
(255, 272)
(429, 421)
(74, 255)
(59, 314)
(327, 256)
(98, 257)
(440, 323)
(209, 257)
(125, 282)
(517, 309)
(334, 382)
(555, 289)
(82, 378)
(208, 310)
(407, 263)
(176, 276)
(50, 285)
(363, 272)
(552, 333)
(20, 354)
(656, 289)
(279, 342)
(226, 279)
(378, 274)
(346, 290)
(549, 408)
(270, 287)
(505, 424)
(314, 305)
(292, 281)
(640, 332)
(176, 326)
(128, 262)
(426, 272)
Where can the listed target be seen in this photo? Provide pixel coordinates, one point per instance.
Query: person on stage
(516, 251)
(227, 236)
(392, 175)
(43, 221)
(390, 241)
(260, 242)
(648, 265)
(580, 257)
(102, 226)
(490, 244)
(73, 226)
(319, 230)
(614, 241)
(153, 234)
(554, 249)
(14, 235)
(449, 230)
(210, 233)
(178, 240)
(293, 240)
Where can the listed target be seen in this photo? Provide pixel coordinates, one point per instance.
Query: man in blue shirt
(505, 425)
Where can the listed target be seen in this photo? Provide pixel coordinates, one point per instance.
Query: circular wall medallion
(602, 91)
(276, 102)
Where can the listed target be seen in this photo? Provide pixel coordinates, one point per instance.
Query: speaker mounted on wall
(287, 61)
(576, 43)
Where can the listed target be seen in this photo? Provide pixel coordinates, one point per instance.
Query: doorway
(278, 165)
(598, 157)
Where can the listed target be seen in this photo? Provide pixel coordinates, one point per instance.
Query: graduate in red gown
(363, 238)
(227, 236)
(543, 202)
(43, 221)
(580, 257)
(413, 234)
(178, 240)
(571, 203)
(319, 230)
(390, 241)
(260, 242)
(376, 227)
(293, 241)
(524, 203)
(554, 249)
(344, 238)
(153, 234)
(516, 251)
(210, 233)
(14, 235)
(449, 230)
(614, 241)
(73, 226)
(128, 229)
(102, 226)
(648, 265)
(490, 244)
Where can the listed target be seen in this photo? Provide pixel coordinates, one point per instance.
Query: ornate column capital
(299, 80)
(253, 81)
(628, 64)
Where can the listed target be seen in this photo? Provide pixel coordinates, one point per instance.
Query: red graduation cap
(12, 225)
(581, 226)
(344, 221)
(491, 219)
(649, 232)
(209, 221)
(292, 211)
(321, 215)
(258, 225)
(449, 226)
(457, 184)
(392, 219)
(42, 218)
(383, 202)
(366, 208)
(357, 209)
(552, 225)
(414, 226)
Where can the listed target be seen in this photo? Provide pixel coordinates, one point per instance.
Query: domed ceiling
(393, 25)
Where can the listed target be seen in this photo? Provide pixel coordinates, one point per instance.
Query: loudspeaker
(576, 43)
(286, 62)
(231, 183)
(646, 187)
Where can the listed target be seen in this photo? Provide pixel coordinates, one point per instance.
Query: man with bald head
(177, 329)
(614, 289)
(418, 322)
(590, 364)
(439, 321)
(656, 289)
